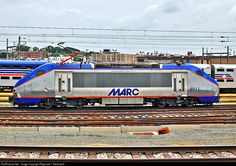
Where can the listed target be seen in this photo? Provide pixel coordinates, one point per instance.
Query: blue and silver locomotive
(81, 84)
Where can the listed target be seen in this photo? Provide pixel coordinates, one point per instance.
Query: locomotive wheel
(48, 106)
(92, 104)
(162, 103)
(189, 102)
(210, 104)
(155, 103)
(22, 106)
(77, 105)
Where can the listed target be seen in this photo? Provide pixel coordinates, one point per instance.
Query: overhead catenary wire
(126, 43)
(116, 36)
(112, 29)
(119, 38)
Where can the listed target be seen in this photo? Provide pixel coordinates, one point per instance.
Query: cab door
(63, 84)
(180, 84)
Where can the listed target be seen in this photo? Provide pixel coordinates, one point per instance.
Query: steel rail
(76, 154)
(119, 116)
(122, 109)
(114, 118)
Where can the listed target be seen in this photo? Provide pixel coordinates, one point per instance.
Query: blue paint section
(27, 101)
(14, 63)
(211, 99)
(192, 68)
(51, 66)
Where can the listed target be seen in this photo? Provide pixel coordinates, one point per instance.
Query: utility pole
(218, 53)
(227, 54)
(18, 46)
(7, 48)
(202, 60)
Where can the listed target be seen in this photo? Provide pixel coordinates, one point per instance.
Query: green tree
(50, 49)
(24, 48)
(35, 49)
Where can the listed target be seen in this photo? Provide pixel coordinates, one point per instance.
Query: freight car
(79, 85)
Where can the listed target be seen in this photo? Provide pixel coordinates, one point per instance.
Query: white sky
(190, 15)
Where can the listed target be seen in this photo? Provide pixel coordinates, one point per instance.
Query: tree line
(49, 49)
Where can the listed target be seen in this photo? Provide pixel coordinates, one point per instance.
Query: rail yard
(102, 134)
(118, 81)
(94, 128)
(120, 126)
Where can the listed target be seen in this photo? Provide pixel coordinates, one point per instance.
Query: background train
(224, 74)
(79, 85)
(12, 70)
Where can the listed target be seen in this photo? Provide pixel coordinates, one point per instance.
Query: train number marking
(194, 88)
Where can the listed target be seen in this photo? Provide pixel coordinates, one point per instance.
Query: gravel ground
(211, 136)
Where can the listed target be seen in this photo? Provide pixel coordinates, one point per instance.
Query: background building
(112, 56)
(33, 55)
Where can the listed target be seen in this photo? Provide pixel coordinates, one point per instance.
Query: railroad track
(142, 117)
(121, 108)
(75, 154)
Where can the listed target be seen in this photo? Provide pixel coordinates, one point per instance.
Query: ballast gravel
(210, 136)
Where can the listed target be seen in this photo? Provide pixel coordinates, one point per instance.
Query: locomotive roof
(52, 66)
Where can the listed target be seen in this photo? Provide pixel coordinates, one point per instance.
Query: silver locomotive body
(117, 87)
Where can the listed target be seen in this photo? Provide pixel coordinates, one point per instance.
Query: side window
(5, 78)
(5, 66)
(40, 72)
(230, 70)
(16, 78)
(221, 70)
(16, 66)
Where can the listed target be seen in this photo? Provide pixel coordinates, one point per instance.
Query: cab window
(40, 72)
(199, 72)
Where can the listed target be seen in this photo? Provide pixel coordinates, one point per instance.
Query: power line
(122, 38)
(122, 43)
(127, 38)
(112, 35)
(112, 29)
